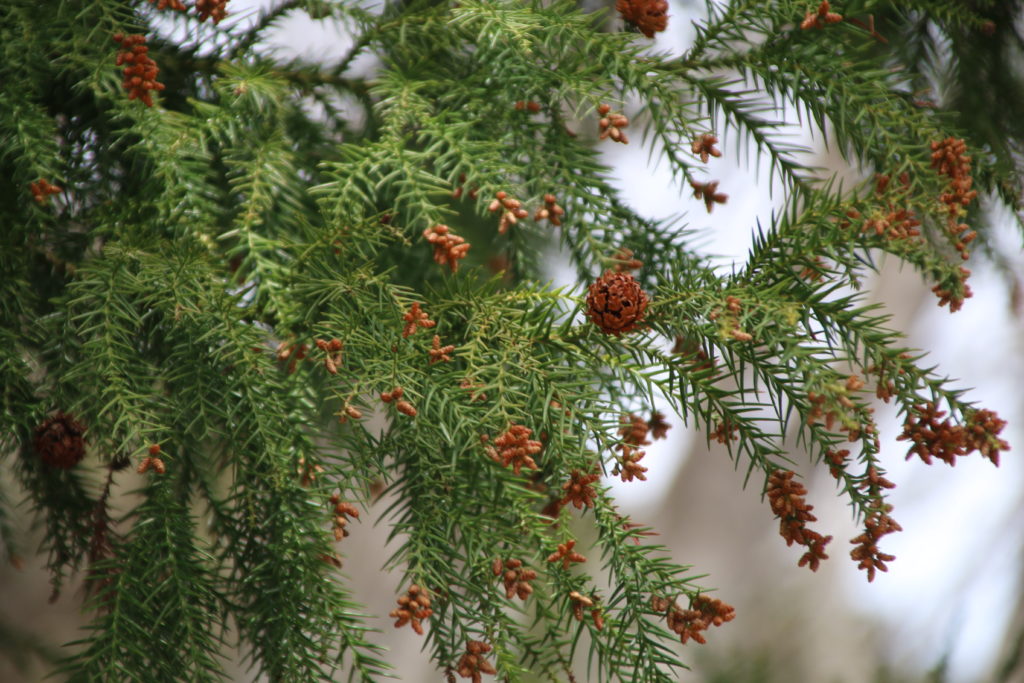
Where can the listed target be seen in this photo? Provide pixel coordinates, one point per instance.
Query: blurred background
(951, 606)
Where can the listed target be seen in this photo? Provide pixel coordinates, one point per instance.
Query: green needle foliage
(217, 265)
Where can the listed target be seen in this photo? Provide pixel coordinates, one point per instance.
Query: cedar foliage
(225, 285)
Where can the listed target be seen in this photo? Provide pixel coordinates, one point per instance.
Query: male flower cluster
(141, 71)
(472, 663)
(704, 613)
(867, 554)
(931, 436)
(516, 448)
(413, 608)
(448, 247)
(787, 500)
(515, 577)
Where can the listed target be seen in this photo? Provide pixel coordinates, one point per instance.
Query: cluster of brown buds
(831, 404)
(704, 613)
(579, 490)
(629, 468)
(141, 72)
(152, 461)
(582, 603)
(886, 387)
(899, 223)
(414, 319)
(649, 16)
(883, 180)
(448, 247)
(176, 5)
(457, 192)
(516, 578)
(413, 608)
(786, 497)
(440, 353)
(963, 235)
(332, 353)
(566, 555)
(528, 105)
(955, 295)
(932, 437)
(709, 193)
(659, 426)
(949, 158)
(982, 432)
(817, 410)
(724, 432)
(307, 472)
(867, 555)
(877, 522)
(212, 9)
(623, 261)
(873, 482)
(836, 461)
(633, 431)
(704, 147)
(731, 321)
(472, 663)
(819, 19)
(349, 411)
(471, 385)
(42, 189)
(401, 405)
(611, 124)
(59, 441)
(342, 511)
(511, 210)
(515, 448)
(295, 352)
(616, 303)
(551, 211)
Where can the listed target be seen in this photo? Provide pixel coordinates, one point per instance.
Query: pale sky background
(958, 564)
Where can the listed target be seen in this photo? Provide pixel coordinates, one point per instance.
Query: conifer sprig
(273, 287)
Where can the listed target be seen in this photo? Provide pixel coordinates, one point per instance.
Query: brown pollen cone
(141, 71)
(212, 9)
(615, 303)
(58, 441)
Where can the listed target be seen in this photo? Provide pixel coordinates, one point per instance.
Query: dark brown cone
(59, 441)
(616, 303)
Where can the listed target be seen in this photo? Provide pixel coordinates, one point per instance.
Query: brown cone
(59, 441)
(616, 303)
